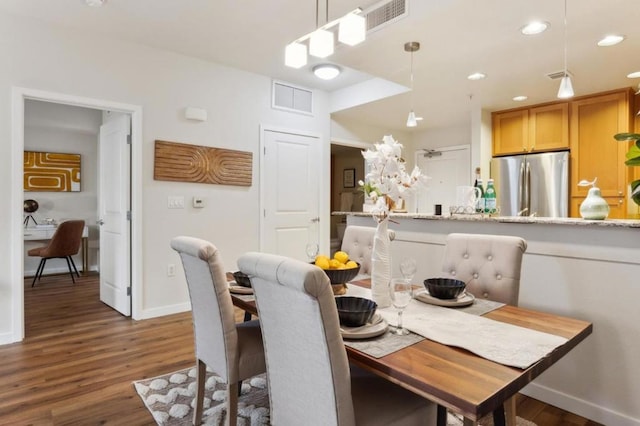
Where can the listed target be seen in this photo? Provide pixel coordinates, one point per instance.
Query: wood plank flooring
(79, 357)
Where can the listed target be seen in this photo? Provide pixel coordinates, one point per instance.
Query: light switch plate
(175, 202)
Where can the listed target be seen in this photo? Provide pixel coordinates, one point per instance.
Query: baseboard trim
(578, 406)
(6, 338)
(165, 310)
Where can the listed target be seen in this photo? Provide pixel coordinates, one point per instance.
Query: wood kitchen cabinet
(536, 129)
(594, 151)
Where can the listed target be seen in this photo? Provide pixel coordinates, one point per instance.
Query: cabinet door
(549, 127)
(594, 151)
(510, 132)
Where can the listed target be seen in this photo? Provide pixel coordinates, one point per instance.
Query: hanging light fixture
(412, 46)
(351, 31)
(566, 88)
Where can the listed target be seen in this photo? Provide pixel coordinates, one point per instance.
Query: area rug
(170, 399)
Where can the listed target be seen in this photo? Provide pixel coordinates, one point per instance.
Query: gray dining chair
(358, 243)
(490, 265)
(232, 350)
(308, 372)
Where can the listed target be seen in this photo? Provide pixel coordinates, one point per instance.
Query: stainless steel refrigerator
(532, 184)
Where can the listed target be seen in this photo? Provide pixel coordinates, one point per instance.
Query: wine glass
(312, 251)
(408, 268)
(400, 291)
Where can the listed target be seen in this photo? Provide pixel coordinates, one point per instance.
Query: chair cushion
(489, 264)
(250, 351)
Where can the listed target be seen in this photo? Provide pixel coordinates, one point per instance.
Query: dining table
(457, 379)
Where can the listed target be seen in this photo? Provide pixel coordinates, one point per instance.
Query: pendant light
(566, 88)
(412, 46)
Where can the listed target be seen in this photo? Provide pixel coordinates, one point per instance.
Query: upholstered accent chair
(233, 351)
(64, 244)
(358, 242)
(308, 372)
(490, 265)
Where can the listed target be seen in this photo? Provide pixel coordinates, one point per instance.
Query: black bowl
(341, 276)
(242, 279)
(355, 311)
(444, 288)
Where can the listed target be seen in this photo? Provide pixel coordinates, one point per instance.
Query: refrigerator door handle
(527, 186)
(521, 191)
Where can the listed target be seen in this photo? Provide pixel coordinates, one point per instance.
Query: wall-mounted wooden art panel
(51, 172)
(192, 163)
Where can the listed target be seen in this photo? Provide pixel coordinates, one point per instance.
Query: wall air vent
(291, 98)
(384, 13)
(558, 75)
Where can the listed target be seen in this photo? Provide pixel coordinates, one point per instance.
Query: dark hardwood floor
(79, 357)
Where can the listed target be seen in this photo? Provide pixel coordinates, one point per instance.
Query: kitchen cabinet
(536, 129)
(594, 151)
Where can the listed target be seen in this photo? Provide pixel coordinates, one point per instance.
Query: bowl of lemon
(340, 270)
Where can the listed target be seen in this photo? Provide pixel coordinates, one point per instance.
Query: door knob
(100, 222)
(315, 219)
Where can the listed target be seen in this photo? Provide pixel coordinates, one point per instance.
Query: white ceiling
(458, 37)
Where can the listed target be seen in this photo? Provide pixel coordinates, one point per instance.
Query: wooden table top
(458, 379)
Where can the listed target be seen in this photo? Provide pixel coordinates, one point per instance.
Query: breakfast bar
(586, 270)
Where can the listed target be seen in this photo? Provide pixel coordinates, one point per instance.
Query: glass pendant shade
(411, 119)
(321, 43)
(352, 29)
(295, 55)
(566, 88)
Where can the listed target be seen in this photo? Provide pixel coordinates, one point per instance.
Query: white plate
(464, 300)
(378, 327)
(238, 289)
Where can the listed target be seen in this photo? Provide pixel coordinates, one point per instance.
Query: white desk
(43, 233)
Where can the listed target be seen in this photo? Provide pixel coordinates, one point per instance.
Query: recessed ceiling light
(476, 76)
(635, 74)
(610, 40)
(520, 98)
(326, 71)
(95, 3)
(535, 27)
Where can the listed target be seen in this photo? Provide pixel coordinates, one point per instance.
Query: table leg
(247, 316)
(498, 416)
(442, 416)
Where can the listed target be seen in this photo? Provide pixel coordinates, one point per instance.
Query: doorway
(20, 97)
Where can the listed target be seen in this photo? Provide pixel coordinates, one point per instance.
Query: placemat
(385, 344)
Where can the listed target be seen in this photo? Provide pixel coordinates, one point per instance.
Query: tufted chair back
(358, 243)
(489, 264)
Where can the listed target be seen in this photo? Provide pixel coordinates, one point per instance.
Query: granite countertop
(614, 223)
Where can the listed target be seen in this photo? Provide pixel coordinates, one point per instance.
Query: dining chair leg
(201, 377)
(510, 411)
(38, 271)
(232, 403)
(74, 266)
(70, 271)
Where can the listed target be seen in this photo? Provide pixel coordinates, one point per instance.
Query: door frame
(323, 206)
(18, 97)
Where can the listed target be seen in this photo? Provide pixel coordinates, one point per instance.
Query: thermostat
(198, 202)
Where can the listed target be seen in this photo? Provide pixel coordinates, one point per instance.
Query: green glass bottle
(480, 199)
(490, 201)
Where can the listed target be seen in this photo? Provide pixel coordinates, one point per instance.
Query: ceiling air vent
(558, 75)
(385, 13)
(291, 98)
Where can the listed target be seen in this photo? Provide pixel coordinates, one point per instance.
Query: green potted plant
(633, 159)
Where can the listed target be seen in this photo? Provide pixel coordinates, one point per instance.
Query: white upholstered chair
(358, 243)
(308, 371)
(490, 265)
(233, 351)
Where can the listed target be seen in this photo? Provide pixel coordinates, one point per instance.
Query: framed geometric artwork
(51, 172)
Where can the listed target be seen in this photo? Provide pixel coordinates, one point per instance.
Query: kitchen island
(588, 270)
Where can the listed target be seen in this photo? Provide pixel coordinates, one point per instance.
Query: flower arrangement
(388, 179)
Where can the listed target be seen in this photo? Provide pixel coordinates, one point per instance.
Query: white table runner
(494, 340)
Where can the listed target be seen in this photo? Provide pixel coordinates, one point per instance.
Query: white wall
(38, 56)
(51, 127)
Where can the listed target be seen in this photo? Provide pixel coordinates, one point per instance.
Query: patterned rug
(170, 400)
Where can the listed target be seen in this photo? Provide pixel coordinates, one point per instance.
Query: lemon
(342, 266)
(351, 264)
(334, 264)
(322, 262)
(341, 257)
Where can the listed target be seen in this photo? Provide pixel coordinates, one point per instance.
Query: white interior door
(290, 193)
(446, 170)
(113, 205)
